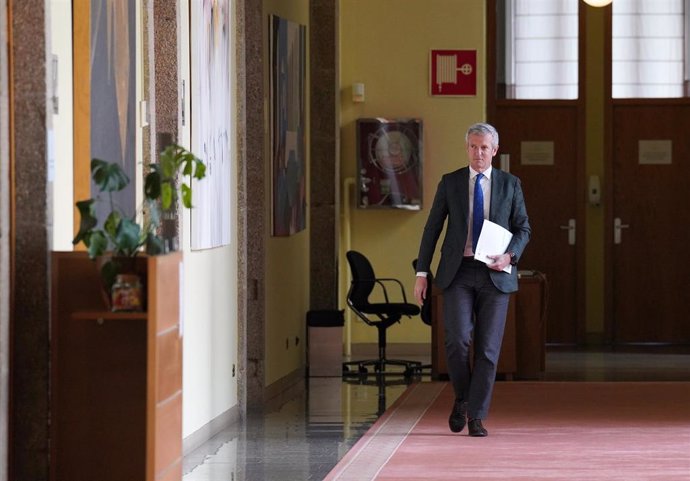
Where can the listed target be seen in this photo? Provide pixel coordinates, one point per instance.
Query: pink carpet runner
(616, 431)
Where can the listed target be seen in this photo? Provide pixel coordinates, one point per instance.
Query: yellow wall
(287, 258)
(595, 104)
(385, 44)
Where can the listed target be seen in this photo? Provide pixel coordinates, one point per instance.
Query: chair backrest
(363, 278)
(425, 313)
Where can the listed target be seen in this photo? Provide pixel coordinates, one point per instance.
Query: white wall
(60, 153)
(209, 297)
(210, 336)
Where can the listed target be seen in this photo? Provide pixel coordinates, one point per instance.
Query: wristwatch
(512, 257)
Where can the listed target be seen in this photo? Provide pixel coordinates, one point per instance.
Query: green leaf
(127, 237)
(97, 244)
(200, 171)
(188, 166)
(87, 221)
(112, 223)
(152, 184)
(168, 163)
(166, 196)
(186, 196)
(108, 176)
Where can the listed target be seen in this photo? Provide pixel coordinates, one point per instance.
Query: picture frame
(287, 49)
(389, 163)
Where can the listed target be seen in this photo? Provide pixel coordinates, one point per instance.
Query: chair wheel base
(381, 368)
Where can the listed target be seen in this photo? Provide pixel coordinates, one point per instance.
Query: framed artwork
(389, 163)
(287, 45)
(211, 113)
(453, 73)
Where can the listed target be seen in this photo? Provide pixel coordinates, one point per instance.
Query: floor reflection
(303, 439)
(306, 437)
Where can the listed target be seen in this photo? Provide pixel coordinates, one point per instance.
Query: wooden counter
(116, 377)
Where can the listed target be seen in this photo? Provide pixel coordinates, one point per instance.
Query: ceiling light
(598, 3)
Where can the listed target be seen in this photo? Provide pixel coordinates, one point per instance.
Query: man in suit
(475, 294)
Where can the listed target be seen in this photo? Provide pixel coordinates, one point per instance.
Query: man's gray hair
(483, 129)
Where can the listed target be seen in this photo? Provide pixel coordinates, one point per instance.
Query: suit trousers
(474, 313)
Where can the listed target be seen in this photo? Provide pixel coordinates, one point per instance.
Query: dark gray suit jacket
(452, 202)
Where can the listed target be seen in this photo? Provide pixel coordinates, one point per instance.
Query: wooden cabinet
(530, 319)
(523, 351)
(116, 378)
(507, 363)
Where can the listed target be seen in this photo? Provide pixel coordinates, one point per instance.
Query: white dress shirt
(486, 190)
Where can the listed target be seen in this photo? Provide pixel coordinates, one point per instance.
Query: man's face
(480, 151)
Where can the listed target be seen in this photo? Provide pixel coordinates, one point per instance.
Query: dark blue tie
(477, 211)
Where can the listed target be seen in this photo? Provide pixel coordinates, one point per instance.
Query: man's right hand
(420, 286)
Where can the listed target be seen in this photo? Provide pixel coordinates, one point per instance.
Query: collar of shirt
(487, 173)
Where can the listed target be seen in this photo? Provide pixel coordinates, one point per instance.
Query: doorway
(648, 222)
(536, 103)
(541, 141)
(643, 148)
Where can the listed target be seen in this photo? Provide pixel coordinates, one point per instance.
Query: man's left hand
(499, 261)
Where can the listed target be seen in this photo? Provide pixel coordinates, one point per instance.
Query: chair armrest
(381, 280)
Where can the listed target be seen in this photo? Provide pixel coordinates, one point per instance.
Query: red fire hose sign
(453, 72)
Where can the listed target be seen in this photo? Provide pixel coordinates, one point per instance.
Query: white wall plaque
(536, 153)
(654, 151)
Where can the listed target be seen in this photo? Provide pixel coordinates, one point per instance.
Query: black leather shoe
(458, 416)
(476, 429)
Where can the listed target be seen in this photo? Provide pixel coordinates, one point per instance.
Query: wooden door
(551, 186)
(650, 279)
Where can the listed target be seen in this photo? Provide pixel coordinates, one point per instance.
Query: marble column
(324, 207)
(30, 319)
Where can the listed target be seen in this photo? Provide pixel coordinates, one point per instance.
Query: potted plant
(117, 239)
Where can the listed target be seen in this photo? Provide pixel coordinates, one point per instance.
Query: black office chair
(381, 315)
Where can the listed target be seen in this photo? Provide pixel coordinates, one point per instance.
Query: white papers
(493, 240)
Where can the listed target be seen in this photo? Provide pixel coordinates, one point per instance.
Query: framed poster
(287, 44)
(212, 119)
(389, 163)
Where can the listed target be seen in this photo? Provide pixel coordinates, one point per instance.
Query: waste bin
(325, 343)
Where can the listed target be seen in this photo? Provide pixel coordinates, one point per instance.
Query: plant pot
(127, 293)
(110, 268)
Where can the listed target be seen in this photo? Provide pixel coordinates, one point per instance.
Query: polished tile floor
(305, 437)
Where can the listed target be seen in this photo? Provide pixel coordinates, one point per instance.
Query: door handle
(617, 228)
(571, 231)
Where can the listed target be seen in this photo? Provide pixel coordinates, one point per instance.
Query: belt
(467, 259)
